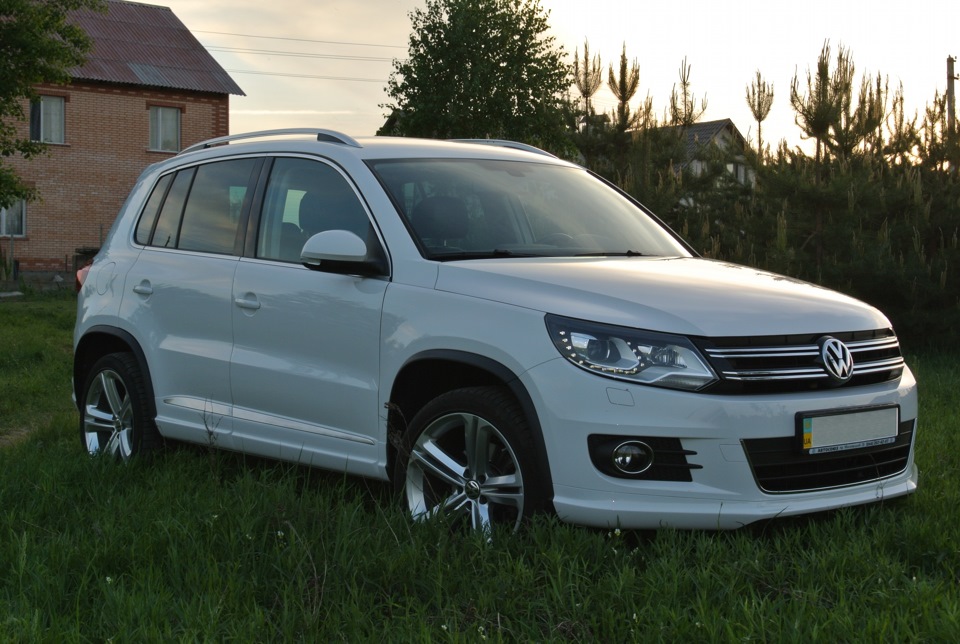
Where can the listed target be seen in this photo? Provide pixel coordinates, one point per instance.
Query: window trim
(158, 138)
(39, 128)
(4, 213)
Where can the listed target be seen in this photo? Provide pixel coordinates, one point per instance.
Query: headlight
(643, 357)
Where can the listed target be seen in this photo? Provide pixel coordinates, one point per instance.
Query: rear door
(179, 292)
(306, 352)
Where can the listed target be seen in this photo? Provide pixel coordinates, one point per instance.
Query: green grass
(35, 361)
(197, 545)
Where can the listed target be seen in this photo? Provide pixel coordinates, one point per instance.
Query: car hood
(691, 296)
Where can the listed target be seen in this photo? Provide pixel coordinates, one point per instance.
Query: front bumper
(723, 492)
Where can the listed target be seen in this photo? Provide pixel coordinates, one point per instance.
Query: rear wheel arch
(433, 373)
(100, 341)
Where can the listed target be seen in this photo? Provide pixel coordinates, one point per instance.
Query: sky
(343, 50)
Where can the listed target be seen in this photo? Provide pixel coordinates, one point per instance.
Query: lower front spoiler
(650, 511)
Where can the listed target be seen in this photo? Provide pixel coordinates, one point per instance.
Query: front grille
(779, 465)
(792, 363)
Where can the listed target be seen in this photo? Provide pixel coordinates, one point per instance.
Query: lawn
(200, 545)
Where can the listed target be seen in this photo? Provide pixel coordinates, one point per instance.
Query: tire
(469, 455)
(114, 412)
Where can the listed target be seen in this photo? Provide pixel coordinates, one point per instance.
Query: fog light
(633, 457)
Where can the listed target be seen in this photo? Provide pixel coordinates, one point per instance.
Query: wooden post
(951, 99)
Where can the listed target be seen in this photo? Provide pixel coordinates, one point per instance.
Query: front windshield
(471, 209)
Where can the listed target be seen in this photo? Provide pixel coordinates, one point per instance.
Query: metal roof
(702, 133)
(147, 45)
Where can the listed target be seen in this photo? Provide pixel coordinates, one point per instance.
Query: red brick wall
(83, 182)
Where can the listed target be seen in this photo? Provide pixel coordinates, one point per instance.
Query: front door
(304, 371)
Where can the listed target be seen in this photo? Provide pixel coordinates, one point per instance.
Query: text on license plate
(835, 432)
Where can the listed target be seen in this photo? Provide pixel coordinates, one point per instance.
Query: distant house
(725, 136)
(147, 90)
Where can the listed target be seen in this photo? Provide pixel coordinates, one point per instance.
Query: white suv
(496, 331)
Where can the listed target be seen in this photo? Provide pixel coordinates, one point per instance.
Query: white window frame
(7, 215)
(52, 118)
(161, 139)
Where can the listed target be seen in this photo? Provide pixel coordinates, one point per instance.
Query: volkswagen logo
(836, 359)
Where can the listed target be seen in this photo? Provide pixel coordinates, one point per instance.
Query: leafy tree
(37, 45)
(760, 100)
(480, 68)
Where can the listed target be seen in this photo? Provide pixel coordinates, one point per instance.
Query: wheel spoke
(125, 413)
(124, 444)
(476, 439)
(93, 442)
(117, 403)
(437, 462)
(96, 420)
(112, 447)
(452, 504)
(480, 517)
(504, 490)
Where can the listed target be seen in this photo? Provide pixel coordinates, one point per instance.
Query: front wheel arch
(432, 373)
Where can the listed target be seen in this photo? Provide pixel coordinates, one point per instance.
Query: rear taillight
(82, 276)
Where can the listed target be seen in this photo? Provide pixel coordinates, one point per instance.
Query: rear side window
(198, 208)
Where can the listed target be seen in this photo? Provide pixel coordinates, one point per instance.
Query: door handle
(143, 288)
(248, 302)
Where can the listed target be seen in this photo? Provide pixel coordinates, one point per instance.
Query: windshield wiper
(608, 253)
(480, 254)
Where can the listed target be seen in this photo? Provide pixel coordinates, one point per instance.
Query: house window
(165, 128)
(13, 220)
(46, 119)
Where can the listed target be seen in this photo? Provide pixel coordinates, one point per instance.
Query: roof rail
(329, 136)
(503, 143)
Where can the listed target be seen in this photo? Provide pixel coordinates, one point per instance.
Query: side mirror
(341, 251)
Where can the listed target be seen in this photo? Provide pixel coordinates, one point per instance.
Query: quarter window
(46, 119)
(152, 209)
(165, 129)
(13, 219)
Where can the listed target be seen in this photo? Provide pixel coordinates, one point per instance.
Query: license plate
(837, 431)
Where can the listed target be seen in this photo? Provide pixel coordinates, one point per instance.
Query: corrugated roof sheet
(141, 44)
(702, 133)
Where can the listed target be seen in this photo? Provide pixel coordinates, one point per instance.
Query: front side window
(13, 220)
(165, 129)
(46, 119)
(303, 198)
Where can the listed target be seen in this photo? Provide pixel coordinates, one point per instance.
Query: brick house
(147, 90)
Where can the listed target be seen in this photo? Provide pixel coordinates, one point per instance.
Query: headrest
(440, 218)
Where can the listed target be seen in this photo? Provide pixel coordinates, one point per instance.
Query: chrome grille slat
(778, 362)
(786, 374)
